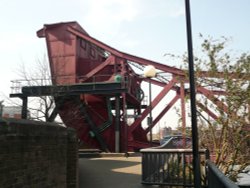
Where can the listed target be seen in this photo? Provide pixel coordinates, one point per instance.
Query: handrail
(216, 179)
(171, 167)
(109, 121)
(19, 83)
(159, 150)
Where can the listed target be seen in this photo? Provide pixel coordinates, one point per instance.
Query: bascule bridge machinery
(94, 86)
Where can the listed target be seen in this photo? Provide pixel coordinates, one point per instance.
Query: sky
(145, 28)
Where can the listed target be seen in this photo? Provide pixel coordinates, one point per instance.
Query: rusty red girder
(155, 101)
(209, 112)
(163, 112)
(100, 67)
(126, 56)
(215, 100)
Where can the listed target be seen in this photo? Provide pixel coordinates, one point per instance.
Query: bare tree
(40, 108)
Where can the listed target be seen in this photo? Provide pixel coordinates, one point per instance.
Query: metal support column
(195, 139)
(125, 127)
(1, 109)
(117, 124)
(150, 113)
(24, 107)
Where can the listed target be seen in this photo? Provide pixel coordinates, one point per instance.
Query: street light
(196, 160)
(150, 72)
(1, 109)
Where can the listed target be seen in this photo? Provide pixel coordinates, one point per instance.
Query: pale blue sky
(147, 28)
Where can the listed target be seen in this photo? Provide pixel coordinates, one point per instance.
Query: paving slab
(110, 172)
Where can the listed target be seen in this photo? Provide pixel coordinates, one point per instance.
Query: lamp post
(150, 72)
(1, 109)
(196, 159)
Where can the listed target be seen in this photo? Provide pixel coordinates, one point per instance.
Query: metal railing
(216, 179)
(16, 85)
(171, 167)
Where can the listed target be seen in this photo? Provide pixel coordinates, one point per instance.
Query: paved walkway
(110, 172)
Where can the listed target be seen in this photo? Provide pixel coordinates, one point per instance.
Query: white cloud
(109, 13)
(108, 16)
(174, 8)
(177, 12)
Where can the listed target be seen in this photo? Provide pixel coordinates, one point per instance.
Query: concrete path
(110, 172)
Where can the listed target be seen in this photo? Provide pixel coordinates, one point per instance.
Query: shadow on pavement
(110, 172)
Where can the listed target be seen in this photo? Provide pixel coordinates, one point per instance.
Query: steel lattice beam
(157, 99)
(163, 112)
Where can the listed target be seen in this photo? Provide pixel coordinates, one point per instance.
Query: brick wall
(36, 154)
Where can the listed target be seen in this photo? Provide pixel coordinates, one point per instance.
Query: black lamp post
(196, 159)
(1, 109)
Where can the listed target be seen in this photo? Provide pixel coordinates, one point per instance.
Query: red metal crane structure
(94, 85)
